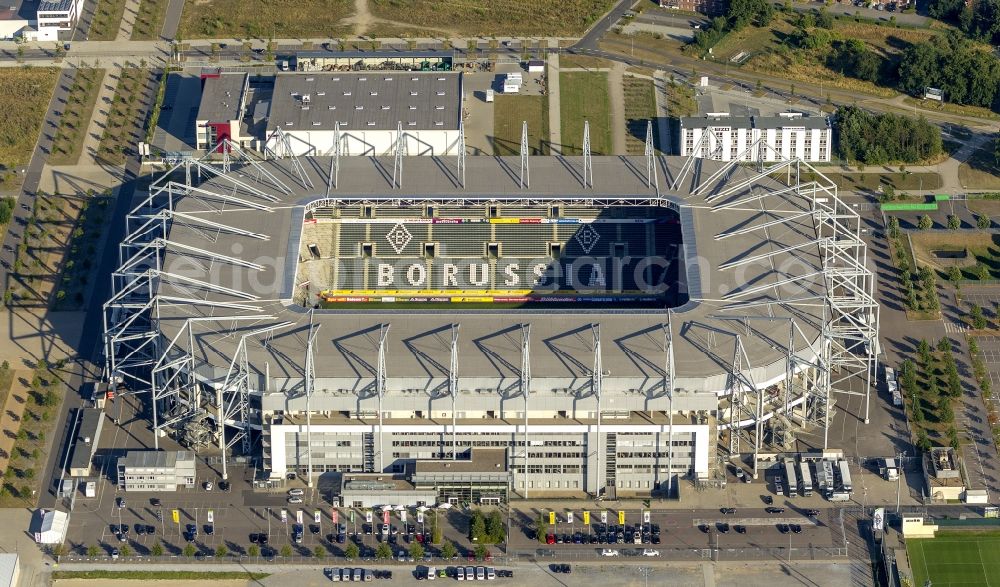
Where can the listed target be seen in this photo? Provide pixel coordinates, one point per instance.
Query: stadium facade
(252, 305)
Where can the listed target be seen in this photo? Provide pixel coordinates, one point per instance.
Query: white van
(460, 573)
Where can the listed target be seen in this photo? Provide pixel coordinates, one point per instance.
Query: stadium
(572, 326)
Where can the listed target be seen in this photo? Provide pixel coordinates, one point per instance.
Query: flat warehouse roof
(366, 101)
(222, 97)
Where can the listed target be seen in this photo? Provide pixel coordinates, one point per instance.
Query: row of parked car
(610, 534)
(429, 573)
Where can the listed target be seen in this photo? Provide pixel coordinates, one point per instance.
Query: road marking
(955, 327)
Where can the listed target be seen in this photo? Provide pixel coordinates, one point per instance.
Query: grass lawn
(871, 181)
(583, 96)
(68, 143)
(149, 22)
(982, 247)
(639, 45)
(640, 107)
(508, 114)
(27, 91)
(954, 560)
(107, 20)
(264, 18)
(977, 111)
(980, 172)
(553, 18)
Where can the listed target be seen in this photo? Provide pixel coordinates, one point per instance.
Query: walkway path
(99, 118)
(128, 20)
(555, 128)
(660, 88)
(616, 100)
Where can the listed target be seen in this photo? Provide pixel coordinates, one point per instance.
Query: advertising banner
(402, 516)
(368, 516)
(586, 518)
(316, 516)
(211, 517)
(552, 518)
(176, 514)
(621, 516)
(604, 516)
(420, 517)
(298, 516)
(333, 516)
(284, 515)
(645, 516)
(569, 517)
(385, 516)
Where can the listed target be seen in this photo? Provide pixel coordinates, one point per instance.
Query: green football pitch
(956, 560)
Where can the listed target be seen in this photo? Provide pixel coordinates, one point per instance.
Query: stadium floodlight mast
(453, 390)
(524, 179)
(668, 386)
(588, 163)
(461, 153)
(596, 382)
(310, 381)
(380, 375)
(397, 163)
(650, 153)
(333, 178)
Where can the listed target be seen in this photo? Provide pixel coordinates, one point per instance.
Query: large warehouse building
(306, 113)
(608, 337)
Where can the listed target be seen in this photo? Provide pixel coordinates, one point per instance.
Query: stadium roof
(772, 249)
(366, 101)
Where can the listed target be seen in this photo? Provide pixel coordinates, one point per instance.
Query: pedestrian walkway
(662, 114)
(616, 101)
(99, 117)
(128, 20)
(555, 129)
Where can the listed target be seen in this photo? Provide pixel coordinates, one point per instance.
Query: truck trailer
(793, 487)
(806, 479)
(845, 476)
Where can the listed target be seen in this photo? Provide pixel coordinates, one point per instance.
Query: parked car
(610, 552)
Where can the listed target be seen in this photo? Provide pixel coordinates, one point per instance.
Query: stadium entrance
(492, 256)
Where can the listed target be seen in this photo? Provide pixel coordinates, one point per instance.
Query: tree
(221, 551)
(125, 550)
(981, 271)
(59, 550)
(976, 317)
(893, 227)
(888, 193)
(744, 12)
(945, 411)
(319, 552)
(286, 551)
(944, 345)
(93, 551)
(923, 443)
(383, 552)
(954, 223)
(954, 275)
(352, 551)
(156, 550)
(924, 349)
(189, 550)
(416, 551)
(480, 551)
(477, 527)
(983, 221)
(877, 139)
(495, 527)
(924, 222)
(448, 551)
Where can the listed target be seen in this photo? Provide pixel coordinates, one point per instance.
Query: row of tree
(879, 138)
(967, 74)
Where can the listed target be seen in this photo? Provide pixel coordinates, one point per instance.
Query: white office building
(723, 137)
